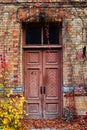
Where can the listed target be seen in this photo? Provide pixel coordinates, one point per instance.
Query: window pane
(53, 34)
(33, 35)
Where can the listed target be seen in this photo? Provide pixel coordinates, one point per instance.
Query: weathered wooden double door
(43, 82)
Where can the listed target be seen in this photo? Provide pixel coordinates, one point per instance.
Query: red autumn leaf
(3, 64)
(56, 123)
(37, 4)
(79, 55)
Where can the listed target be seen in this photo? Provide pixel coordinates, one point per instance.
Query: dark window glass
(51, 34)
(36, 33)
(33, 35)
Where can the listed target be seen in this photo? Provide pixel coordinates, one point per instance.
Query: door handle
(42, 90)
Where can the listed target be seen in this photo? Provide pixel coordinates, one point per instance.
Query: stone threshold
(48, 129)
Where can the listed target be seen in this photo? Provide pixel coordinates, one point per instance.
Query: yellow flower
(9, 94)
(5, 121)
(14, 111)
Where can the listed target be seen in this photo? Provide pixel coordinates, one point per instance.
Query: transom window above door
(42, 33)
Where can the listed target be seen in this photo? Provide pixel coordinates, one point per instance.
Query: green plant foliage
(11, 112)
(70, 114)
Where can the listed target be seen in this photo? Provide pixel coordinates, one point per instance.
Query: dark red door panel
(33, 80)
(52, 82)
(43, 83)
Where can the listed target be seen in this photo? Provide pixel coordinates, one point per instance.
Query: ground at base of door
(55, 124)
(49, 129)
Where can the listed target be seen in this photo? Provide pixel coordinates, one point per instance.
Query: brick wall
(74, 71)
(10, 42)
